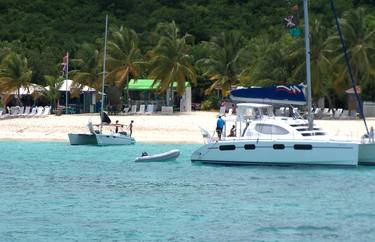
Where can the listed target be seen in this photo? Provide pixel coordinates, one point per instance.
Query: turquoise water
(57, 192)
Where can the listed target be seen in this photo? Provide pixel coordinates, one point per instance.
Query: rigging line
(350, 72)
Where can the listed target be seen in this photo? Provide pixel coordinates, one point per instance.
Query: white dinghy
(166, 156)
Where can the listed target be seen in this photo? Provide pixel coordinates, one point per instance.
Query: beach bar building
(83, 104)
(142, 91)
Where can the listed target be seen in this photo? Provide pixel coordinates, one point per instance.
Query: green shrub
(212, 102)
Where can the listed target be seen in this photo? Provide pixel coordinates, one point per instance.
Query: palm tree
(360, 44)
(226, 54)
(124, 57)
(88, 69)
(14, 74)
(321, 66)
(273, 67)
(53, 93)
(171, 60)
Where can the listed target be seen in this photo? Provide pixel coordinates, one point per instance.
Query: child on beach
(131, 128)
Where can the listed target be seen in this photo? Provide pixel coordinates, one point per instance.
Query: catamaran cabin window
(270, 129)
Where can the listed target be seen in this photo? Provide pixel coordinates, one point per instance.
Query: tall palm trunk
(19, 96)
(127, 90)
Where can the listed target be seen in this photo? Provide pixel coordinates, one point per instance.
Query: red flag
(65, 62)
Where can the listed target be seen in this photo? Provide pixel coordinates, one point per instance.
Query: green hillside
(43, 31)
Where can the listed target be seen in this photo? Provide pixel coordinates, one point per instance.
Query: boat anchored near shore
(166, 156)
(264, 139)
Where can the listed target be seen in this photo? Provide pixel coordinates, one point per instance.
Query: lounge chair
(27, 111)
(345, 114)
(47, 111)
(3, 115)
(326, 113)
(141, 109)
(39, 111)
(14, 111)
(150, 109)
(33, 112)
(21, 110)
(125, 110)
(338, 113)
(133, 109)
(166, 110)
(317, 113)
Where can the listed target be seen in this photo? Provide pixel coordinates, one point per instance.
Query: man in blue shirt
(219, 127)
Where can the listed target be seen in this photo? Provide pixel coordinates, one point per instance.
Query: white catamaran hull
(114, 139)
(100, 139)
(366, 154)
(82, 139)
(280, 152)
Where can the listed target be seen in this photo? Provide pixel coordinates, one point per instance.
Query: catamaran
(268, 140)
(265, 139)
(97, 137)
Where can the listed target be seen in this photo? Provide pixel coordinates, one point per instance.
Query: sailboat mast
(103, 78)
(308, 71)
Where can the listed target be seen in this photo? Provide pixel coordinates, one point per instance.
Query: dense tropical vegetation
(215, 45)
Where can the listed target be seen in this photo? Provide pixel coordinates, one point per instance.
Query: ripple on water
(53, 191)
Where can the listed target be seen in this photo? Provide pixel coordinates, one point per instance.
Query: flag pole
(66, 82)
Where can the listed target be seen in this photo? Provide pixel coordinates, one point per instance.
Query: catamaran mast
(103, 79)
(308, 71)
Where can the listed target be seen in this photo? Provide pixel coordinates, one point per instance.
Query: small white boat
(166, 156)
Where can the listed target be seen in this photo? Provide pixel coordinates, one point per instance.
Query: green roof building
(142, 91)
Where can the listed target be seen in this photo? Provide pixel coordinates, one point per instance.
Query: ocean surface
(57, 192)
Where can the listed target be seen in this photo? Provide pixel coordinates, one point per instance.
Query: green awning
(146, 84)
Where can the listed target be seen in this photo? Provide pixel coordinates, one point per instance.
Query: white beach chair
(47, 111)
(3, 115)
(166, 110)
(325, 113)
(317, 113)
(133, 109)
(14, 111)
(39, 111)
(338, 113)
(21, 110)
(141, 109)
(150, 109)
(33, 112)
(126, 110)
(27, 111)
(345, 114)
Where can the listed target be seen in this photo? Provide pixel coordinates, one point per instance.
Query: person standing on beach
(131, 128)
(219, 127)
(371, 135)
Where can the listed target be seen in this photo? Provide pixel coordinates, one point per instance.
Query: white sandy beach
(176, 128)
